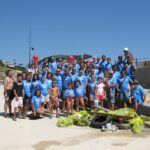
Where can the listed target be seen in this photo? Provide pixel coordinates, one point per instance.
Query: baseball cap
(126, 49)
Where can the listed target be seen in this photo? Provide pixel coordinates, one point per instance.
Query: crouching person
(37, 104)
(17, 102)
(138, 96)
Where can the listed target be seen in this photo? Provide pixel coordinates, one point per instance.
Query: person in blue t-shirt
(39, 72)
(65, 80)
(120, 64)
(73, 76)
(69, 97)
(44, 71)
(58, 79)
(111, 96)
(103, 62)
(137, 94)
(81, 77)
(92, 73)
(45, 89)
(79, 94)
(37, 104)
(91, 89)
(49, 79)
(100, 73)
(108, 66)
(116, 74)
(27, 93)
(94, 60)
(124, 87)
(53, 65)
(35, 84)
(130, 68)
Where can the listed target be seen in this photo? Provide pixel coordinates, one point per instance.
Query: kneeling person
(37, 104)
(137, 94)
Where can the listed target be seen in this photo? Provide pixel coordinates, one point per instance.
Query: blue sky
(73, 27)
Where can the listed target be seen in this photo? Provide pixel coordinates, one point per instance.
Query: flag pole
(29, 47)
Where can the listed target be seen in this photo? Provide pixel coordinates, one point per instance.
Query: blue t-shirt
(129, 70)
(103, 64)
(44, 74)
(44, 87)
(116, 75)
(49, 82)
(39, 76)
(124, 83)
(34, 86)
(79, 91)
(27, 88)
(69, 92)
(82, 80)
(100, 74)
(36, 101)
(53, 66)
(73, 77)
(120, 66)
(138, 94)
(65, 81)
(77, 66)
(112, 81)
(58, 79)
(108, 67)
(92, 87)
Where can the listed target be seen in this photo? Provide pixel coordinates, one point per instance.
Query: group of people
(69, 86)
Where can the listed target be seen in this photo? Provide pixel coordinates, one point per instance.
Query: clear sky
(74, 27)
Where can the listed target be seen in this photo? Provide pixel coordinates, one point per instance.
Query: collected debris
(124, 118)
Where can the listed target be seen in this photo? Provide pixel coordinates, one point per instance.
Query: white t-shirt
(100, 89)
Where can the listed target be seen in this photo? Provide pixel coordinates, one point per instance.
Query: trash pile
(106, 120)
(82, 118)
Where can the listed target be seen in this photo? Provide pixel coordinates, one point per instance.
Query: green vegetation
(82, 118)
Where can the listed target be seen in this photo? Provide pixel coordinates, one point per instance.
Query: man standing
(8, 92)
(128, 55)
(17, 102)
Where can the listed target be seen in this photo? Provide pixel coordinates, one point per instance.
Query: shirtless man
(8, 92)
(54, 93)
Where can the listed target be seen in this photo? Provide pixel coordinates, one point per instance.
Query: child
(54, 93)
(37, 104)
(17, 102)
(137, 94)
(69, 96)
(100, 93)
(91, 87)
(79, 93)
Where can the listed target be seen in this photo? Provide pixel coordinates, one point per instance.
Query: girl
(100, 93)
(79, 93)
(69, 96)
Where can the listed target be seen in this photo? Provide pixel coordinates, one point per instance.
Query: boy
(17, 102)
(54, 93)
